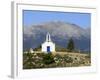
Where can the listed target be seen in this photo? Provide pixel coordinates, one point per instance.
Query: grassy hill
(57, 48)
(53, 60)
(61, 49)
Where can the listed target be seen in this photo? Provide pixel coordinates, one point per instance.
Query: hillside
(60, 33)
(57, 59)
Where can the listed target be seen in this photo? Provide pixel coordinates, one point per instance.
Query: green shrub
(68, 59)
(48, 59)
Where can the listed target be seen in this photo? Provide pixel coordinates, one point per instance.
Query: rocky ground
(53, 60)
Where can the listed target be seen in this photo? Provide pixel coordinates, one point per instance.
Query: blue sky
(38, 17)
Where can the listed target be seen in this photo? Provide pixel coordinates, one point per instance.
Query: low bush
(48, 59)
(68, 59)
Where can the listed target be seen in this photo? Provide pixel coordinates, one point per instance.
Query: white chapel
(48, 45)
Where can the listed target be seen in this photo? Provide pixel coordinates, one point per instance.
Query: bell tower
(48, 38)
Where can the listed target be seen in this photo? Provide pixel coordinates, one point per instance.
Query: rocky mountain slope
(60, 33)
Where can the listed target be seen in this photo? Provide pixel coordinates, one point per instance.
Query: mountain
(60, 32)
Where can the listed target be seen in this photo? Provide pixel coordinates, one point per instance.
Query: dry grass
(63, 59)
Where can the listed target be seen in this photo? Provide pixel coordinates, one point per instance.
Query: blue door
(48, 48)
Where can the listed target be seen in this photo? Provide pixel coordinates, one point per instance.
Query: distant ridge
(60, 33)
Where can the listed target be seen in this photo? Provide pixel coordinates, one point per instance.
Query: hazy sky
(31, 17)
